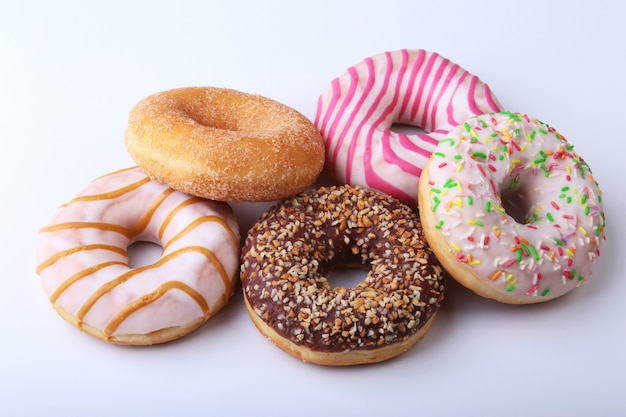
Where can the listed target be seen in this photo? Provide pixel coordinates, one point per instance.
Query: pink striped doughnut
(413, 87)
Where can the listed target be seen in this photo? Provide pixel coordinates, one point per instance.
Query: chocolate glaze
(290, 251)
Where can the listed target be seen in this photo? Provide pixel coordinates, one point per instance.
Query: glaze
(82, 259)
(289, 253)
(507, 196)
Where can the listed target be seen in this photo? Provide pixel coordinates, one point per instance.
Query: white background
(71, 71)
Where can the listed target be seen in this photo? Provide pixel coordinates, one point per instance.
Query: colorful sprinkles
(508, 159)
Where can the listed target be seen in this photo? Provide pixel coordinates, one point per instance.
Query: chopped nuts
(288, 254)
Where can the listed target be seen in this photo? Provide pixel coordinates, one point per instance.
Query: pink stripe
(490, 100)
(354, 137)
(420, 89)
(410, 145)
(354, 80)
(449, 108)
(435, 82)
(419, 60)
(336, 86)
(376, 181)
(429, 138)
(388, 154)
(393, 158)
(367, 154)
(471, 97)
(318, 110)
(451, 74)
(371, 177)
(336, 93)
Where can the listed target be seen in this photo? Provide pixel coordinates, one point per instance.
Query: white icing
(509, 157)
(200, 255)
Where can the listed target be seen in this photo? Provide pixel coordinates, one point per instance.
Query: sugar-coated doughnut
(511, 210)
(224, 145)
(412, 87)
(289, 253)
(83, 260)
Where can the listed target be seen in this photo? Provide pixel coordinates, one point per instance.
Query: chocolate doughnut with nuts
(289, 253)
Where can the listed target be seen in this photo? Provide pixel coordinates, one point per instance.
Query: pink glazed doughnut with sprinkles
(357, 113)
(511, 210)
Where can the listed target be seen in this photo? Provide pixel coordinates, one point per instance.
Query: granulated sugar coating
(224, 145)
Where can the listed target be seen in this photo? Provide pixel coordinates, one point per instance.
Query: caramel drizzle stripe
(80, 275)
(178, 208)
(108, 227)
(111, 194)
(142, 224)
(110, 174)
(202, 220)
(51, 260)
(154, 205)
(106, 288)
(141, 302)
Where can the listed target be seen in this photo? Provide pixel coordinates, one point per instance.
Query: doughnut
(224, 145)
(83, 262)
(511, 210)
(357, 113)
(289, 253)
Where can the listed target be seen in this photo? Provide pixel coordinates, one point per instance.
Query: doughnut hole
(407, 129)
(347, 275)
(143, 253)
(517, 200)
(517, 205)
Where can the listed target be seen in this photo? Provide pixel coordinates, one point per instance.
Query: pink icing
(502, 159)
(83, 262)
(415, 87)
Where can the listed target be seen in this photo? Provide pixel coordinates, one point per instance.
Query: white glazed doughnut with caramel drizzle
(82, 259)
